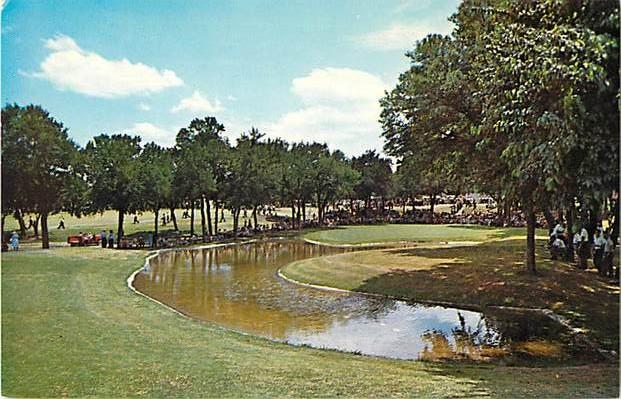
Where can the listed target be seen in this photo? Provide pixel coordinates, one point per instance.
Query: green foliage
(114, 173)
(375, 175)
(39, 165)
(520, 101)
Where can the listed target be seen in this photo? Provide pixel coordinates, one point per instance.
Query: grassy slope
(411, 233)
(71, 327)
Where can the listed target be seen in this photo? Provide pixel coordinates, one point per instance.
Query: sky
(298, 70)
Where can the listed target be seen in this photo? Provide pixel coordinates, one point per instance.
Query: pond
(237, 287)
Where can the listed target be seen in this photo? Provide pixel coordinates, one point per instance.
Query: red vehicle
(83, 240)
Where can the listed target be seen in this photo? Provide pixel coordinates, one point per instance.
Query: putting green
(389, 233)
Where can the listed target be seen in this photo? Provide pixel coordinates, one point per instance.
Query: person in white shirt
(558, 248)
(575, 246)
(557, 231)
(584, 248)
(609, 253)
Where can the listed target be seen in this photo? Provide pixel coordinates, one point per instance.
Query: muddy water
(238, 287)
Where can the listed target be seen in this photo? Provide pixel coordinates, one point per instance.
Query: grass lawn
(391, 233)
(71, 327)
(108, 221)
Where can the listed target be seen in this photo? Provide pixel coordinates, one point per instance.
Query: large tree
(522, 96)
(157, 176)
(202, 156)
(545, 83)
(114, 175)
(38, 164)
(375, 176)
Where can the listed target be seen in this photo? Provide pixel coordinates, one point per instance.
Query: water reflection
(237, 287)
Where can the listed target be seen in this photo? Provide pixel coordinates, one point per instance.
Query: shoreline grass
(72, 327)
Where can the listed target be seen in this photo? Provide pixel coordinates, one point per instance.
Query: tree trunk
(530, 238)
(192, 218)
(45, 237)
(432, 204)
(120, 231)
(2, 227)
(203, 225)
(209, 225)
(303, 211)
(20, 219)
(254, 216)
(215, 221)
(570, 224)
(174, 218)
(293, 214)
(156, 226)
(236, 212)
(507, 210)
(299, 215)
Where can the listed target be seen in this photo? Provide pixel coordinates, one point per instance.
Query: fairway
(85, 333)
(394, 233)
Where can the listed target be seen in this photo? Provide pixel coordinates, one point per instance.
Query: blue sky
(300, 70)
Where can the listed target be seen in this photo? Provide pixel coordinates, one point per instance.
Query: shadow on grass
(494, 274)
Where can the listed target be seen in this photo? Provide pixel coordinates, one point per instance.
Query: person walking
(103, 239)
(15, 241)
(111, 239)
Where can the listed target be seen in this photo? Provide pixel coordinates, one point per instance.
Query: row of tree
(45, 172)
(521, 102)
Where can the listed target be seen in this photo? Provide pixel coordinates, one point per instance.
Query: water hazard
(238, 287)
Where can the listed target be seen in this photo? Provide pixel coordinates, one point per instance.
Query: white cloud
(338, 85)
(401, 36)
(341, 109)
(197, 104)
(69, 67)
(150, 132)
(144, 107)
(231, 98)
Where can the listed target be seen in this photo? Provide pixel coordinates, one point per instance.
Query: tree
(332, 178)
(114, 175)
(157, 176)
(202, 158)
(543, 75)
(520, 99)
(38, 161)
(375, 176)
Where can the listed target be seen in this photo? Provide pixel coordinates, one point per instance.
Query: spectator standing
(584, 249)
(103, 239)
(609, 253)
(15, 241)
(576, 245)
(111, 239)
